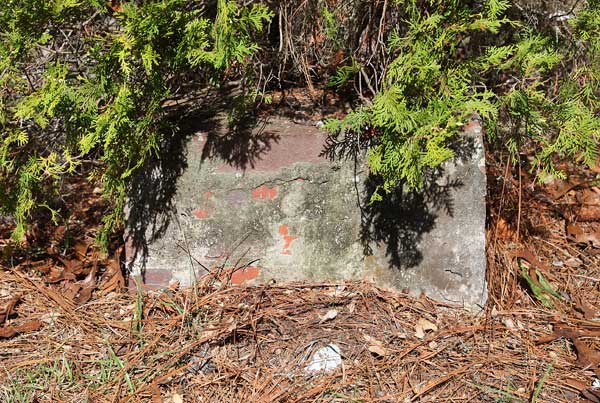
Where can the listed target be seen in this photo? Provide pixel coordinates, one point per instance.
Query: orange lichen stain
(283, 229)
(264, 192)
(287, 239)
(470, 125)
(199, 213)
(245, 274)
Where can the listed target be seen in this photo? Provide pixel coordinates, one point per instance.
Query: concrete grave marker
(269, 205)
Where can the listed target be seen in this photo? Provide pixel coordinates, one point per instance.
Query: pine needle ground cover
(64, 337)
(220, 343)
(253, 344)
(68, 335)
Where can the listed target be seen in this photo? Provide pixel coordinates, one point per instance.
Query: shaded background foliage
(91, 88)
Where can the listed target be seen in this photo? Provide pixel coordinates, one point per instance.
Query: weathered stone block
(267, 204)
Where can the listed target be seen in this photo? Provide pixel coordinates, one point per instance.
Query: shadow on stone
(398, 223)
(151, 196)
(242, 145)
(152, 207)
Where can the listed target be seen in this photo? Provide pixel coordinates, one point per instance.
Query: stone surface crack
(454, 272)
(278, 181)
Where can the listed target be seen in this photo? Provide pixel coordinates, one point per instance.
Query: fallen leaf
(375, 346)
(10, 331)
(586, 357)
(114, 277)
(81, 248)
(88, 285)
(563, 188)
(557, 188)
(378, 350)
(7, 309)
(503, 229)
(590, 196)
(422, 326)
(588, 213)
(177, 398)
(71, 290)
(562, 331)
(330, 315)
(72, 266)
(427, 325)
(589, 235)
(58, 274)
(573, 262)
(588, 311)
(44, 266)
(528, 255)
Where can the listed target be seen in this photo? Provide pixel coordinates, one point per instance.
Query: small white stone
(325, 359)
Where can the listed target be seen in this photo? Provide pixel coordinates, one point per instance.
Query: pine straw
(217, 343)
(251, 344)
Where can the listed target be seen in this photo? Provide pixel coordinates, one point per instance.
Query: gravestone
(265, 205)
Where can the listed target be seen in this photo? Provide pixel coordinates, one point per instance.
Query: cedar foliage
(448, 60)
(101, 98)
(85, 82)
